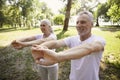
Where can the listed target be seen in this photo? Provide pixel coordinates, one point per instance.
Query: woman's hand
(17, 44)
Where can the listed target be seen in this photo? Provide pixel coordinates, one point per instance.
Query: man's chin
(81, 34)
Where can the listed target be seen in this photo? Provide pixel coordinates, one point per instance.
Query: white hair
(46, 21)
(87, 13)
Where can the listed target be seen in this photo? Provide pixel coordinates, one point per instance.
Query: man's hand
(44, 56)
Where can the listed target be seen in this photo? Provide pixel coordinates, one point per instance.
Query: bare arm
(50, 57)
(19, 43)
(26, 39)
(38, 41)
(80, 51)
(54, 44)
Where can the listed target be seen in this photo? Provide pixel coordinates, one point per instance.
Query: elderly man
(85, 50)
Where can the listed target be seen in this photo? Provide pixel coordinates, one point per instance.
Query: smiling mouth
(82, 30)
(43, 29)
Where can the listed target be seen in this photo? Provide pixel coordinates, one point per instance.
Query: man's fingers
(34, 45)
(37, 61)
(44, 57)
(42, 62)
(38, 49)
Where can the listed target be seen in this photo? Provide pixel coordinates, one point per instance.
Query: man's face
(84, 25)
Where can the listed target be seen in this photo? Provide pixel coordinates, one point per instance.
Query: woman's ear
(92, 24)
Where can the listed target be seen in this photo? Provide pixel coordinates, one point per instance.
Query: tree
(114, 11)
(101, 11)
(2, 16)
(23, 13)
(59, 19)
(46, 12)
(81, 5)
(67, 15)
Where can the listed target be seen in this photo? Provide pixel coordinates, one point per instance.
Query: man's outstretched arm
(80, 51)
(54, 44)
(51, 57)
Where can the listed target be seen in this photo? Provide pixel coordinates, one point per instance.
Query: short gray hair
(46, 21)
(87, 13)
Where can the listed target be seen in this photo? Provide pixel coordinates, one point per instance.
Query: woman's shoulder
(39, 36)
(52, 35)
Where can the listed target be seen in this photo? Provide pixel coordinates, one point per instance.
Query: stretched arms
(38, 41)
(51, 57)
(18, 44)
(26, 39)
(80, 51)
(54, 44)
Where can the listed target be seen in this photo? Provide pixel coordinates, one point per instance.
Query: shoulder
(52, 35)
(71, 39)
(99, 39)
(39, 36)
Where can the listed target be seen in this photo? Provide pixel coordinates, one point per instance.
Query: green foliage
(102, 9)
(114, 10)
(59, 19)
(22, 13)
(62, 10)
(112, 2)
(114, 13)
(110, 11)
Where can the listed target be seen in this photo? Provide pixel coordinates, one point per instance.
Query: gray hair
(46, 21)
(87, 13)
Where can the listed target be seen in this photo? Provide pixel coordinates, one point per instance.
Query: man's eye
(77, 22)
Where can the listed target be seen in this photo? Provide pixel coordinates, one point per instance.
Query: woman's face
(44, 27)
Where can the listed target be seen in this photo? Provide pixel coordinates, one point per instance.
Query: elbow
(98, 47)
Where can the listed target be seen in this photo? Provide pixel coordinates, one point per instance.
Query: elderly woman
(46, 72)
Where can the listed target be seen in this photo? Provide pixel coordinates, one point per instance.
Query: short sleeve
(53, 36)
(67, 41)
(71, 41)
(102, 40)
(39, 36)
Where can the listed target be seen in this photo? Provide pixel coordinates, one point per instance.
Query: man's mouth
(82, 30)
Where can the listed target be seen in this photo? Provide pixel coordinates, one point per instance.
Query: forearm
(49, 44)
(23, 40)
(26, 39)
(53, 44)
(79, 51)
(38, 41)
(30, 43)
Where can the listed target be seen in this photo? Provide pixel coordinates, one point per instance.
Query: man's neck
(82, 38)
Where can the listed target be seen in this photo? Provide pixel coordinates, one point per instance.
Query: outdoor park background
(21, 19)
